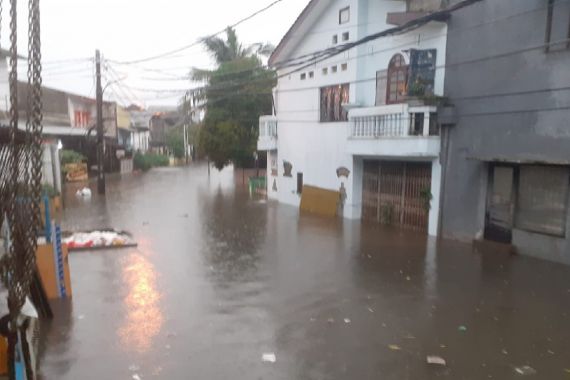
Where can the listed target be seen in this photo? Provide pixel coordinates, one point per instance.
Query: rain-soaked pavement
(218, 280)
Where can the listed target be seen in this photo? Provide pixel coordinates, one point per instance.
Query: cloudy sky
(126, 30)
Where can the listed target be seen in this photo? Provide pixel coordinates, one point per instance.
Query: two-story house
(363, 122)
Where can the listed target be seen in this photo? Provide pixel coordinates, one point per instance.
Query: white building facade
(363, 122)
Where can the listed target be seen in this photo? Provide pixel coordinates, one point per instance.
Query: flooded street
(219, 279)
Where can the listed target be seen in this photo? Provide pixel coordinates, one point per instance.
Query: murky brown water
(219, 279)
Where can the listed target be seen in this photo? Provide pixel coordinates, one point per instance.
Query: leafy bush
(71, 157)
(148, 161)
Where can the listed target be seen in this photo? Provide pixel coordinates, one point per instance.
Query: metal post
(100, 147)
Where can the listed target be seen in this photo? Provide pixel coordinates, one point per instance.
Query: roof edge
(291, 31)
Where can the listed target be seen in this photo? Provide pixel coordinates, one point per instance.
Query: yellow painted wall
(123, 118)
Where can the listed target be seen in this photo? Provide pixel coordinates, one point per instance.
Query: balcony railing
(398, 120)
(267, 133)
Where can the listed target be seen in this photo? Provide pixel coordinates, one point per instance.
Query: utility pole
(186, 142)
(100, 137)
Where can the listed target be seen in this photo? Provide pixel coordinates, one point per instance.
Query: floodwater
(219, 279)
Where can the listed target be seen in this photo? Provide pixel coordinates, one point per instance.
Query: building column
(433, 224)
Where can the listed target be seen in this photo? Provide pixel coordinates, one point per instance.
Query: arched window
(397, 80)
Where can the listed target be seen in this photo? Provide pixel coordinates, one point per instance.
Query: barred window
(332, 99)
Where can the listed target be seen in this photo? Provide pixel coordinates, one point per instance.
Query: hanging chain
(20, 178)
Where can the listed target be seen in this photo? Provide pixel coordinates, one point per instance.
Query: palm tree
(228, 50)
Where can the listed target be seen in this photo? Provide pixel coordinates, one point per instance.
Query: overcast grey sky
(131, 29)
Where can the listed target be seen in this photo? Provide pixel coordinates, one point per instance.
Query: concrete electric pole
(100, 135)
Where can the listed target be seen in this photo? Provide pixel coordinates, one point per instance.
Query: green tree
(175, 141)
(238, 91)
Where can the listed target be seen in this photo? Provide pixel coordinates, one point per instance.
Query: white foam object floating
(269, 357)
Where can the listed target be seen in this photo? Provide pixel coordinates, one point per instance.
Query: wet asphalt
(219, 279)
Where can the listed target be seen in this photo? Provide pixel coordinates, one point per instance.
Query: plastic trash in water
(136, 377)
(346, 320)
(437, 360)
(394, 347)
(462, 328)
(525, 370)
(269, 357)
(85, 192)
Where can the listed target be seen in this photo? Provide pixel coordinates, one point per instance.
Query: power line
(199, 41)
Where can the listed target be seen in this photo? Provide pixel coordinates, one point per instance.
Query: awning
(523, 159)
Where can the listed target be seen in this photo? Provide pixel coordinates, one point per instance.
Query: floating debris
(85, 193)
(437, 360)
(462, 328)
(98, 239)
(394, 347)
(370, 310)
(525, 370)
(346, 320)
(136, 377)
(269, 357)
(504, 351)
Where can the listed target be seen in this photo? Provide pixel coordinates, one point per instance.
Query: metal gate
(397, 193)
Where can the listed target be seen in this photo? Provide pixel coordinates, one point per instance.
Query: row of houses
(70, 120)
(457, 123)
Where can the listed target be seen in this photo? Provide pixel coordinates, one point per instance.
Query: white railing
(399, 120)
(268, 126)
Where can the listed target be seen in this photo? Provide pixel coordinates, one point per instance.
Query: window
(558, 25)
(332, 99)
(325, 71)
(381, 85)
(299, 183)
(303, 76)
(344, 66)
(542, 198)
(334, 69)
(81, 118)
(397, 80)
(345, 36)
(311, 74)
(344, 15)
(335, 39)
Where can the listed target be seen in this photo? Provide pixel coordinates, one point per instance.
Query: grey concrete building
(507, 156)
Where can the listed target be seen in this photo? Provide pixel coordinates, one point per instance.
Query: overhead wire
(200, 40)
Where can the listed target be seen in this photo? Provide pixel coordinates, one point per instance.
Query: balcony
(267, 139)
(398, 130)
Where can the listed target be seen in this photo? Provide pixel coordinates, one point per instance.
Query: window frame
(329, 116)
(340, 14)
(393, 69)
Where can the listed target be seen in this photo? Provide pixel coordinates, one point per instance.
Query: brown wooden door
(397, 193)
